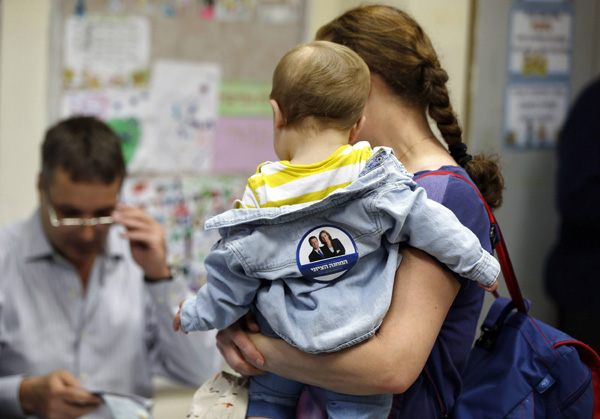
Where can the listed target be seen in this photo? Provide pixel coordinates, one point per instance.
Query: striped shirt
(114, 336)
(276, 184)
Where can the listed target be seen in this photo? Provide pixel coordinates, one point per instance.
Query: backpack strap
(493, 322)
(498, 243)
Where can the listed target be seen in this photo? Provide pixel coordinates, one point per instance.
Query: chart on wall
(539, 55)
(185, 85)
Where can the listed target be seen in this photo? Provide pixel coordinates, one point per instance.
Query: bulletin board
(185, 84)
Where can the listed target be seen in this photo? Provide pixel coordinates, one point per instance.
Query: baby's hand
(489, 288)
(177, 320)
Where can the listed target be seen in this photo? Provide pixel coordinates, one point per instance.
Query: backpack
(521, 367)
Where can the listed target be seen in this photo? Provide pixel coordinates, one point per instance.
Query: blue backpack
(521, 367)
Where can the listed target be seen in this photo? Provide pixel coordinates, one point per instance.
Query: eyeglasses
(77, 222)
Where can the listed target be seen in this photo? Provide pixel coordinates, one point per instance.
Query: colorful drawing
(180, 129)
(182, 204)
(128, 129)
(240, 98)
(103, 51)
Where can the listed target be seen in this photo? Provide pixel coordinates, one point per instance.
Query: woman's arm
(390, 361)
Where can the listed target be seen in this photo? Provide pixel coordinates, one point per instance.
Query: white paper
(534, 113)
(126, 406)
(540, 42)
(106, 103)
(105, 51)
(278, 11)
(180, 131)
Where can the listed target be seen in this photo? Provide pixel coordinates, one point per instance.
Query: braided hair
(397, 49)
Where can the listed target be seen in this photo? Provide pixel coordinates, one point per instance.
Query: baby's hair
(323, 83)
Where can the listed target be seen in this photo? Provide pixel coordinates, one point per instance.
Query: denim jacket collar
(377, 172)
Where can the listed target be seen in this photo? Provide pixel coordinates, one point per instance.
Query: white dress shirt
(115, 336)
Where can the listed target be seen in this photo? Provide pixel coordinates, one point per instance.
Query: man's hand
(147, 240)
(56, 395)
(237, 348)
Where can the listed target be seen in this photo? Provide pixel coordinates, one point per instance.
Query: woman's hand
(238, 350)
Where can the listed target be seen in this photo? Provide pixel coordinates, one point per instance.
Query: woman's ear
(355, 130)
(278, 119)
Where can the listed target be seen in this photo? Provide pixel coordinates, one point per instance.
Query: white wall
(23, 84)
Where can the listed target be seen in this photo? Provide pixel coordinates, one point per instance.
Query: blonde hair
(321, 83)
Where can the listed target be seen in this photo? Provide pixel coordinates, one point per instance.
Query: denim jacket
(262, 259)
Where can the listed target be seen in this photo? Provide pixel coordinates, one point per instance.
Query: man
(316, 253)
(85, 305)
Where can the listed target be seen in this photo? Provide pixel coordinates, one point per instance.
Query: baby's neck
(314, 147)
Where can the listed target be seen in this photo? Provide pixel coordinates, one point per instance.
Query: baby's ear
(278, 119)
(355, 130)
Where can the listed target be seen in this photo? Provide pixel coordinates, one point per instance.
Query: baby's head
(321, 85)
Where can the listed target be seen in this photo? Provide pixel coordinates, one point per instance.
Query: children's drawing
(180, 130)
(182, 204)
(105, 51)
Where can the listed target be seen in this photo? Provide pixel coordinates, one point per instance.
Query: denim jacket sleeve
(408, 215)
(226, 297)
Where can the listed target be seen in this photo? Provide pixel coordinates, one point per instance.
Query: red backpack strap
(507, 269)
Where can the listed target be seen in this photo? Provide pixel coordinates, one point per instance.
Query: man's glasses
(77, 222)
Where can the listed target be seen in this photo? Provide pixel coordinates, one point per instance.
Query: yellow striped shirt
(276, 184)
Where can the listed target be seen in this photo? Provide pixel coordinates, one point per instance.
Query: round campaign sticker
(326, 253)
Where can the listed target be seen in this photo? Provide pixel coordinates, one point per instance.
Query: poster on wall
(182, 203)
(540, 42)
(279, 12)
(534, 114)
(539, 65)
(179, 132)
(103, 51)
(245, 125)
(252, 140)
(124, 110)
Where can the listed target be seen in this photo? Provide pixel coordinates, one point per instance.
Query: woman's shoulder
(447, 186)
(457, 195)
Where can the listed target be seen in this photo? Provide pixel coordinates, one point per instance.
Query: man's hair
(86, 148)
(326, 82)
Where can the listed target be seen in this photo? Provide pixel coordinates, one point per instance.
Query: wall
(528, 217)
(23, 84)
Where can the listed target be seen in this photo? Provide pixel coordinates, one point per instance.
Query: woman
(331, 247)
(424, 341)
